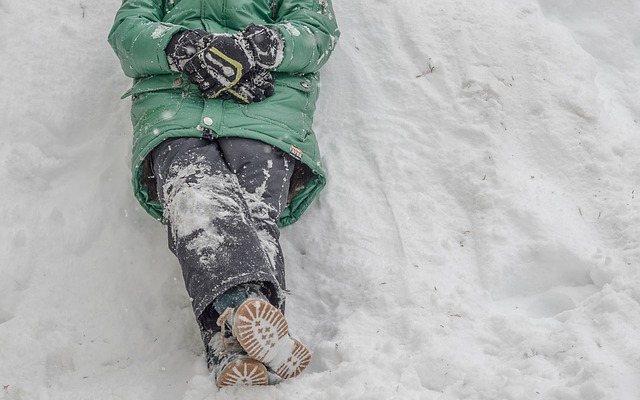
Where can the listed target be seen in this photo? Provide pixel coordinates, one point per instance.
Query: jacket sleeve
(139, 37)
(310, 33)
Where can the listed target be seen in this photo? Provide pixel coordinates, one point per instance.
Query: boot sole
(263, 332)
(244, 371)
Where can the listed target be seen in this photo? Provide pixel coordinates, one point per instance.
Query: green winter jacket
(165, 105)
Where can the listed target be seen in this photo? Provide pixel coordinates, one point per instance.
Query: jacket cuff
(151, 57)
(292, 39)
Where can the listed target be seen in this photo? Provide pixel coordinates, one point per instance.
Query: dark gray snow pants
(222, 199)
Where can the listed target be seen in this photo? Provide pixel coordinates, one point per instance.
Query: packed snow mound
(478, 239)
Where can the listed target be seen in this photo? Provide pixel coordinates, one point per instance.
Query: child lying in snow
(224, 153)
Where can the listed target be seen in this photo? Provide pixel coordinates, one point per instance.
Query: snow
(160, 31)
(191, 204)
(478, 238)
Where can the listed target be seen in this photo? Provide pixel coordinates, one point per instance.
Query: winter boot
(231, 365)
(263, 332)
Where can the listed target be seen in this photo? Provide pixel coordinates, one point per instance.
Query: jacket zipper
(224, 15)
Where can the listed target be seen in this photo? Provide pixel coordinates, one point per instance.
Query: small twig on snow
(429, 70)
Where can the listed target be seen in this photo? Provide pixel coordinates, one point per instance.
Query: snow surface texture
(478, 238)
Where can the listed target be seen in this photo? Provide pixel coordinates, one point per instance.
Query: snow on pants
(222, 199)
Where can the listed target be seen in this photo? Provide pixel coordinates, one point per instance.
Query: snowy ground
(479, 238)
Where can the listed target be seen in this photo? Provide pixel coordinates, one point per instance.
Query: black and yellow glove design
(255, 86)
(218, 62)
(220, 66)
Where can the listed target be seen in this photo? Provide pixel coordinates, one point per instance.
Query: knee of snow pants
(222, 200)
